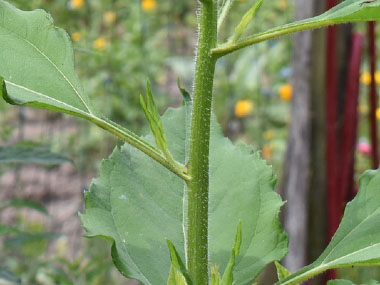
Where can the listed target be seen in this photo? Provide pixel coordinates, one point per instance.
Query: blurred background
(271, 96)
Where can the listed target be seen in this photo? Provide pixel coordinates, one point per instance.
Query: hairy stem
(197, 235)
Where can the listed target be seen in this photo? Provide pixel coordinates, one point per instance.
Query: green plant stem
(197, 233)
(299, 26)
(142, 145)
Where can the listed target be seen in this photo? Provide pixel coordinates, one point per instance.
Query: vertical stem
(197, 235)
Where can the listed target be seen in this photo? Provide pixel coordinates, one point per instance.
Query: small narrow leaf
(347, 282)
(247, 18)
(282, 272)
(176, 277)
(22, 203)
(178, 265)
(228, 276)
(215, 276)
(223, 12)
(154, 119)
(27, 154)
(186, 95)
(340, 282)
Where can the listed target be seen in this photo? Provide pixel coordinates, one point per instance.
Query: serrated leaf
(357, 240)
(22, 203)
(26, 154)
(137, 204)
(247, 18)
(228, 276)
(178, 269)
(282, 272)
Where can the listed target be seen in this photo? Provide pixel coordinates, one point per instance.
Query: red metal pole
(331, 126)
(331, 131)
(373, 93)
(350, 120)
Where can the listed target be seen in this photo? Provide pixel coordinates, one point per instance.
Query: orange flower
(267, 152)
(100, 44)
(148, 5)
(76, 36)
(109, 17)
(286, 92)
(378, 113)
(76, 4)
(243, 108)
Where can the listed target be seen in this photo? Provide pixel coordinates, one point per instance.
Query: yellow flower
(76, 4)
(286, 92)
(267, 152)
(284, 4)
(76, 36)
(377, 77)
(268, 135)
(148, 5)
(243, 108)
(100, 44)
(378, 113)
(109, 17)
(363, 109)
(365, 78)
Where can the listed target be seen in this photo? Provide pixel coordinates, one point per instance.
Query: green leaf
(4, 230)
(282, 272)
(178, 265)
(346, 11)
(30, 41)
(8, 278)
(154, 119)
(346, 282)
(26, 154)
(215, 276)
(228, 276)
(247, 18)
(137, 204)
(186, 95)
(22, 203)
(357, 240)
(340, 282)
(176, 277)
(223, 12)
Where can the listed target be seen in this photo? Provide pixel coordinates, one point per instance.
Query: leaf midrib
(55, 66)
